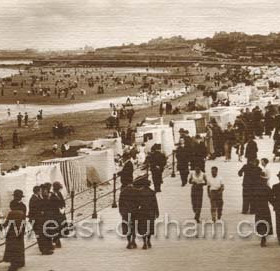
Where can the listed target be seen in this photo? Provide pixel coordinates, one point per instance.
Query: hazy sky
(67, 24)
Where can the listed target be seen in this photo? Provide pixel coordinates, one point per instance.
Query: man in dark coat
(58, 205)
(199, 153)
(218, 139)
(148, 210)
(269, 122)
(183, 159)
(251, 152)
(157, 161)
(126, 173)
(128, 207)
(35, 214)
(251, 175)
(263, 196)
(257, 121)
(276, 199)
(240, 134)
(15, 224)
(46, 210)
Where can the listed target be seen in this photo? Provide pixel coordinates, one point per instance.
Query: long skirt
(146, 227)
(14, 251)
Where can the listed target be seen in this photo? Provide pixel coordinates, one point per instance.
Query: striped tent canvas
(73, 172)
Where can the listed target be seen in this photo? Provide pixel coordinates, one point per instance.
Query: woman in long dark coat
(46, 210)
(128, 207)
(148, 210)
(263, 196)
(14, 250)
(58, 208)
(251, 152)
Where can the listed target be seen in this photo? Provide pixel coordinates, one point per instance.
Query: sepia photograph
(139, 135)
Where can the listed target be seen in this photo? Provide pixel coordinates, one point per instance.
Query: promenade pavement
(196, 253)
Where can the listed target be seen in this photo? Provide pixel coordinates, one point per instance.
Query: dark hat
(157, 146)
(278, 175)
(182, 130)
(197, 137)
(57, 185)
(18, 193)
(142, 181)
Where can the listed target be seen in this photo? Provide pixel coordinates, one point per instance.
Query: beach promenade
(228, 251)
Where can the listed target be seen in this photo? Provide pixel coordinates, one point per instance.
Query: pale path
(229, 253)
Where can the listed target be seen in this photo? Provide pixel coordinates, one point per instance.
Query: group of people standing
(155, 161)
(257, 195)
(248, 124)
(47, 217)
(138, 203)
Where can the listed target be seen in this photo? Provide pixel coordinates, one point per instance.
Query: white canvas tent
(223, 116)
(102, 161)
(25, 179)
(158, 134)
(73, 172)
(199, 119)
(186, 125)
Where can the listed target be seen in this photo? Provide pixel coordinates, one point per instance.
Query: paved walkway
(197, 253)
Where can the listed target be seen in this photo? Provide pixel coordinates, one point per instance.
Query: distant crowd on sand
(70, 83)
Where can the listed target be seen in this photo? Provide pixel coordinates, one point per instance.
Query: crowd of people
(138, 204)
(248, 124)
(47, 217)
(70, 83)
(192, 154)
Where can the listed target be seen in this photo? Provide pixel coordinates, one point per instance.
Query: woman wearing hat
(148, 210)
(14, 250)
(16, 203)
(128, 206)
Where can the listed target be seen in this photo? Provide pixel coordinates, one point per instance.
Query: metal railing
(97, 198)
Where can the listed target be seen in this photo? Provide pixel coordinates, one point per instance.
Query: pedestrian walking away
(148, 210)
